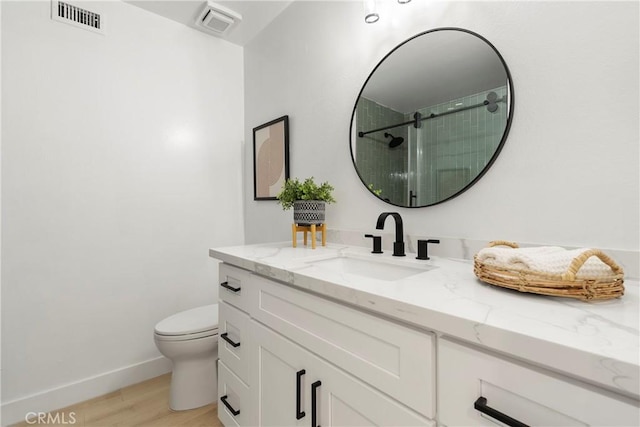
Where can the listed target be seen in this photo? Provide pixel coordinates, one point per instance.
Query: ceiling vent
(217, 20)
(66, 12)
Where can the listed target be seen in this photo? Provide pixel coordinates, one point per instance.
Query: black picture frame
(270, 158)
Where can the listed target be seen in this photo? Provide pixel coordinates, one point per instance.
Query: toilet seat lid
(199, 319)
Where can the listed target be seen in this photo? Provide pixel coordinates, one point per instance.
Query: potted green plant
(307, 199)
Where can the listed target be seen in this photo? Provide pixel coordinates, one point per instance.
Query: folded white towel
(503, 256)
(545, 259)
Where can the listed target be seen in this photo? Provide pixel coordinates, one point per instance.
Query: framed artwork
(270, 158)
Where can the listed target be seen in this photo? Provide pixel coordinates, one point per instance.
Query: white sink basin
(373, 267)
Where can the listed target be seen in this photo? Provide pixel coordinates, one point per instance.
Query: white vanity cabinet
(296, 387)
(236, 401)
(479, 388)
(393, 358)
(303, 359)
(293, 357)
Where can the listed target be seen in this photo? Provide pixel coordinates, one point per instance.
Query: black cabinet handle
(229, 407)
(481, 405)
(314, 403)
(225, 337)
(299, 414)
(226, 285)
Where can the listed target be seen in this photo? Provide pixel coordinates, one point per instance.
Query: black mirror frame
(504, 135)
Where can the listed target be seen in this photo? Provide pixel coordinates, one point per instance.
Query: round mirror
(431, 118)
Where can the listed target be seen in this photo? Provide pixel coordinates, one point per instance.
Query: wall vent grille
(70, 14)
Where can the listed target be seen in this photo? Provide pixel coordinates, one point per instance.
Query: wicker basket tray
(564, 285)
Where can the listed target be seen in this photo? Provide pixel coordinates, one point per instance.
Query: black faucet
(398, 245)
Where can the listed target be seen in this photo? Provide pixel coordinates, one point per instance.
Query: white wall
(121, 166)
(0, 210)
(568, 173)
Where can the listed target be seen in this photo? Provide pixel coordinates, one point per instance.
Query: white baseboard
(79, 391)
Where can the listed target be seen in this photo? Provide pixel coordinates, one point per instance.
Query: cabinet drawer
(234, 286)
(234, 342)
(528, 394)
(395, 359)
(235, 405)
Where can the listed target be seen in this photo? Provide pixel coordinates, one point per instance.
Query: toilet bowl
(190, 340)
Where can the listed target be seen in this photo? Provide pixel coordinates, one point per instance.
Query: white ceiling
(436, 67)
(256, 14)
(434, 74)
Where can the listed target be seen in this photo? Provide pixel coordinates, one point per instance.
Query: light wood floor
(143, 404)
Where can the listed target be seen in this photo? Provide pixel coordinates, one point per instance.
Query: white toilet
(190, 340)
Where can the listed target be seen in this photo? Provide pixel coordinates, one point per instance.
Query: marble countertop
(595, 341)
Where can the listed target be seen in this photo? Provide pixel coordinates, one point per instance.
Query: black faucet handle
(422, 248)
(377, 243)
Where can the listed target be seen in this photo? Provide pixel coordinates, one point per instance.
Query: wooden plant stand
(295, 228)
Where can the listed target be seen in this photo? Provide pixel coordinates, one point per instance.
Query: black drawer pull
(481, 405)
(226, 285)
(229, 407)
(314, 403)
(225, 337)
(299, 414)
